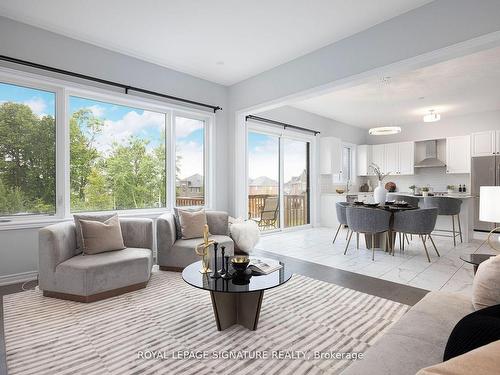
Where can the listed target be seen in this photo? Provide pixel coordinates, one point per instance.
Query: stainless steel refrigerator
(485, 172)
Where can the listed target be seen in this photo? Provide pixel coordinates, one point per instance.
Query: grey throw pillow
(99, 237)
(192, 223)
(178, 232)
(93, 217)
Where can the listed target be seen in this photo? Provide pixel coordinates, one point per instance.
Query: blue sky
(40, 102)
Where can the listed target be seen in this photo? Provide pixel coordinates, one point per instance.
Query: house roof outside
(194, 181)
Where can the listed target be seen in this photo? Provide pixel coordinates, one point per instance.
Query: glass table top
(191, 274)
(476, 258)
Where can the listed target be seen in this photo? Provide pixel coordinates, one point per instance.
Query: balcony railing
(295, 207)
(189, 201)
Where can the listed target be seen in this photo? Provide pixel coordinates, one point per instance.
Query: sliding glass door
(278, 180)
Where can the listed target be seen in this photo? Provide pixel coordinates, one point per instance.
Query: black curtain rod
(126, 88)
(285, 125)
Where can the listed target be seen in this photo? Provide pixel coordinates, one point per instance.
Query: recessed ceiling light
(432, 116)
(384, 130)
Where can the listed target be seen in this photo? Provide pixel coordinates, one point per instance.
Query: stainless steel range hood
(430, 159)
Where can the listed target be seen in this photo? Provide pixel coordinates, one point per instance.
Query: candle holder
(215, 274)
(227, 275)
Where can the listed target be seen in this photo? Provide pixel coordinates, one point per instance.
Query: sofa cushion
(101, 237)
(78, 228)
(85, 275)
(192, 223)
(483, 360)
(182, 253)
(418, 339)
(178, 232)
(486, 284)
(218, 222)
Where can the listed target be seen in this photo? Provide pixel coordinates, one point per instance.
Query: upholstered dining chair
(447, 206)
(340, 207)
(420, 222)
(369, 221)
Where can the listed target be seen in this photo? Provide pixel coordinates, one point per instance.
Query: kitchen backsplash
(436, 178)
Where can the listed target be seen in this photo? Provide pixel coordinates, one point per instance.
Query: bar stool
(421, 222)
(368, 221)
(447, 207)
(340, 207)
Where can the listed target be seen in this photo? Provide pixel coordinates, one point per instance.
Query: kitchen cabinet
(378, 156)
(330, 155)
(458, 154)
(363, 160)
(391, 158)
(328, 212)
(485, 143)
(406, 155)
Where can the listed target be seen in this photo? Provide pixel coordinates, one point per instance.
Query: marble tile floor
(447, 273)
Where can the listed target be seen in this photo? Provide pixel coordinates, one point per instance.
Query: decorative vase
(425, 194)
(379, 194)
(370, 188)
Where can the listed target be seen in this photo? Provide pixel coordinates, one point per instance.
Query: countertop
(456, 195)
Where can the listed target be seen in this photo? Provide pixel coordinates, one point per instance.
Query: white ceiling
(224, 41)
(463, 85)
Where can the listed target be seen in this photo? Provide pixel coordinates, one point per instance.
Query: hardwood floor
(366, 284)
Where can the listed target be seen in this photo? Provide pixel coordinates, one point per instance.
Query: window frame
(63, 90)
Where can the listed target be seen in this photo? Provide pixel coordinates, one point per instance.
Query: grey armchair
(64, 272)
(175, 253)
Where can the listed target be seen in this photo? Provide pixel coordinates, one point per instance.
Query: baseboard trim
(18, 278)
(95, 297)
(171, 269)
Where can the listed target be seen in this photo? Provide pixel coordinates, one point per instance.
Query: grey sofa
(64, 272)
(175, 253)
(417, 340)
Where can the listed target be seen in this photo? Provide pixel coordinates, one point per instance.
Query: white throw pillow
(245, 234)
(486, 284)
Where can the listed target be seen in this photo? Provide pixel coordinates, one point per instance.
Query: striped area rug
(158, 330)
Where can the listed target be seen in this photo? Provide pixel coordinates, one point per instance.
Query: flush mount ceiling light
(432, 116)
(384, 130)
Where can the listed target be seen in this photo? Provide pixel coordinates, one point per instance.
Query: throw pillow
(486, 284)
(100, 237)
(178, 232)
(474, 330)
(93, 217)
(192, 223)
(484, 360)
(246, 234)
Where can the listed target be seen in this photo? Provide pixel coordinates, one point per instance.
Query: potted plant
(451, 189)
(425, 191)
(412, 189)
(379, 194)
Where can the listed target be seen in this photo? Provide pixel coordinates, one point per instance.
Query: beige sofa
(175, 253)
(417, 340)
(64, 272)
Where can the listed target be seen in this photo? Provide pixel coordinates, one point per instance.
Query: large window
(27, 151)
(117, 156)
(189, 163)
(64, 149)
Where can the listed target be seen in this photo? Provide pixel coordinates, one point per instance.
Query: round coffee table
(475, 259)
(232, 302)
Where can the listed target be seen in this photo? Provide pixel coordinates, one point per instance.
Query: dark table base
(237, 308)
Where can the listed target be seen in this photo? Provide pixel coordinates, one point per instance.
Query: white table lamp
(489, 208)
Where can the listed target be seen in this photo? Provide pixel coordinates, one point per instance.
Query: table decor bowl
(358, 203)
(340, 191)
(240, 263)
(371, 204)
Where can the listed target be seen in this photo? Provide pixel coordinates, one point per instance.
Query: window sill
(40, 222)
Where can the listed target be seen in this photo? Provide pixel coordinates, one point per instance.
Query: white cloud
(191, 158)
(96, 110)
(132, 123)
(37, 105)
(185, 126)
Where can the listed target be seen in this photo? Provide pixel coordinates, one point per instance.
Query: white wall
(19, 248)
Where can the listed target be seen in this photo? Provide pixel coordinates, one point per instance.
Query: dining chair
(447, 206)
(340, 208)
(369, 221)
(419, 222)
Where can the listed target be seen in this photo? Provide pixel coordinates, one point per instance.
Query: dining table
(380, 239)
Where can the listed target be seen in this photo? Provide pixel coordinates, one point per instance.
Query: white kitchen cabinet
(363, 160)
(391, 158)
(328, 212)
(378, 156)
(330, 155)
(458, 154)
(406, 154)
(485, 143)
